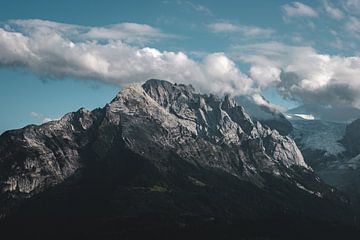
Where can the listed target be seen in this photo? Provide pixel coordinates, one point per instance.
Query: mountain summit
(159, 156)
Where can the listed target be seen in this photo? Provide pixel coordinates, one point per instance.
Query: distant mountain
(332, 150)
(319, 135)
(163, 161)
(329, 143)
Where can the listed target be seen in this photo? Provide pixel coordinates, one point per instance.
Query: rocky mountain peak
(167, 125)
(228, 102)
(165, 92)
(192, 119)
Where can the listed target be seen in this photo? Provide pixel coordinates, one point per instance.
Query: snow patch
(305, 116)
(309, 191)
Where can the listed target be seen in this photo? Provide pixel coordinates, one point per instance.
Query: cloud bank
(56, 50)
(116, 54)
(301, 73)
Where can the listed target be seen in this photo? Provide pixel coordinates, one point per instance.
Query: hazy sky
(58, 56)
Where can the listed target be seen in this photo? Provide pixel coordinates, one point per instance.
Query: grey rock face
(267, 116)
(351, 139)
(37, 157)
(153, 120)
(197, 126)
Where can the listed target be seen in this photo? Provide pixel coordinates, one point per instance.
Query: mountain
(163, 161)
(319, 135)
(265, 115)
(319, 142)
(332, 150)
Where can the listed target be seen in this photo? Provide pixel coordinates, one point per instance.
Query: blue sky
(58, 56)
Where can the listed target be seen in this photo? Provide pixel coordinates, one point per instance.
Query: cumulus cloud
(297, 9)
(264, 75)
(248, 31)
(301, 73)
(332, 11)
(107, 54)
(57, 50)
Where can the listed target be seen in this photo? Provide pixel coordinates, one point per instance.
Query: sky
(58, 56)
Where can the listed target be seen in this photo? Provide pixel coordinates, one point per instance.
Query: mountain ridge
(160, 150)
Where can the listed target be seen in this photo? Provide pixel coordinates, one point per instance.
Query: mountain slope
(161, 156)
(332, 150)
(351, 138)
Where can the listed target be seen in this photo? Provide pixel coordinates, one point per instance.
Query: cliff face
(351, 139)
(159, 149)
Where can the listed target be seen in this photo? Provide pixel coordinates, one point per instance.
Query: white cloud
(47, 119)
(297, 9)
(249, 31)
(228, 78)
(261, 101)
(196, 7)
(126, 32)
(303, 74)
(333, 11)
(42, 118)
(56, 50)
(264, 75)
(190, 5)
(51, 49)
